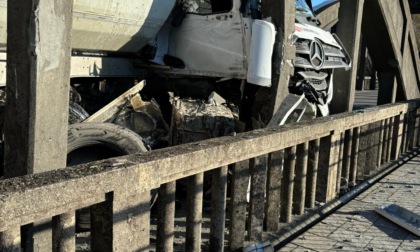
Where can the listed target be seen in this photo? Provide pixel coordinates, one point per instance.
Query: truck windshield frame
(302, 8)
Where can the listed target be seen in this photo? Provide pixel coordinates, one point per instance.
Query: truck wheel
(76, 113)
(88, 142)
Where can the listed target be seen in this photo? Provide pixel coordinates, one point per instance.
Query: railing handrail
(35, 197)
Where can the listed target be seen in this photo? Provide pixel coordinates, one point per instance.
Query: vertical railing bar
(166, 217)
(370, 164)
(348, 139)
(218, 209)
(413, 129)
(275, 165)
(64, 232)
(312, 173)
(385, 141)
(397, 136)
(101, 224)
(416, 126)
(133, 233)
(113, 221)
(287, 184)
(381, 143)
(372, 154)
(299, 190)
(258, 171)
(389, 145)
(238, 202)
(411, 125)
(404, 140)
(340, 162)
(408, 131)
(327, 167)
(10, 240)
(194, 212)
(362, 166)
(355, 155)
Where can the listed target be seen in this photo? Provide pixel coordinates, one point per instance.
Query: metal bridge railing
(289, 167)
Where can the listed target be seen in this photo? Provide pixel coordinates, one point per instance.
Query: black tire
(111, 139)
(76, 113)
(120, 139)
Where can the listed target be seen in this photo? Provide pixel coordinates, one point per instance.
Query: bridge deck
(357, 227)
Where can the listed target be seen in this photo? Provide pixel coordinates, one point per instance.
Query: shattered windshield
(301, 7)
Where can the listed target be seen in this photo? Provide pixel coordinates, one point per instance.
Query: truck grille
(334, 57)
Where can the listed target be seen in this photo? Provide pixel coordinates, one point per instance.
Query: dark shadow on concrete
(388, 227)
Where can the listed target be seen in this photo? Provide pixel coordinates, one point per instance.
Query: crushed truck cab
(193, 48)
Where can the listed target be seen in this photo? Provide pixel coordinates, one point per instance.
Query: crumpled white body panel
(212, 45)
(310, 32)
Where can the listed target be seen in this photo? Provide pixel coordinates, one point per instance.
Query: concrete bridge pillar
(38, 71)
(349, 31)
(283, 14)
(388, 87)
(390, 38)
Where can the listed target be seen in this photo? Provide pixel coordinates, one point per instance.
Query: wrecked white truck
(190, 48)
(198, 58)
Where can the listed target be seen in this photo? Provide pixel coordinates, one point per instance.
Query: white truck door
(212, 40)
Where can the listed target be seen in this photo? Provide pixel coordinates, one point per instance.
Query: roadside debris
(196, 119)
(145, 118)
(116, 106)
(259, 247)
(401, 216)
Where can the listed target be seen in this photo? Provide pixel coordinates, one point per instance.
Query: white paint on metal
(82, 66)
(3, 24)
(2, 69)
(109, 25)
(259, 67)
(310, 32)
(215, 45)
(211, 45)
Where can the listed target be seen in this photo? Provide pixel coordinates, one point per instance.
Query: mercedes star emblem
(317, 55)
